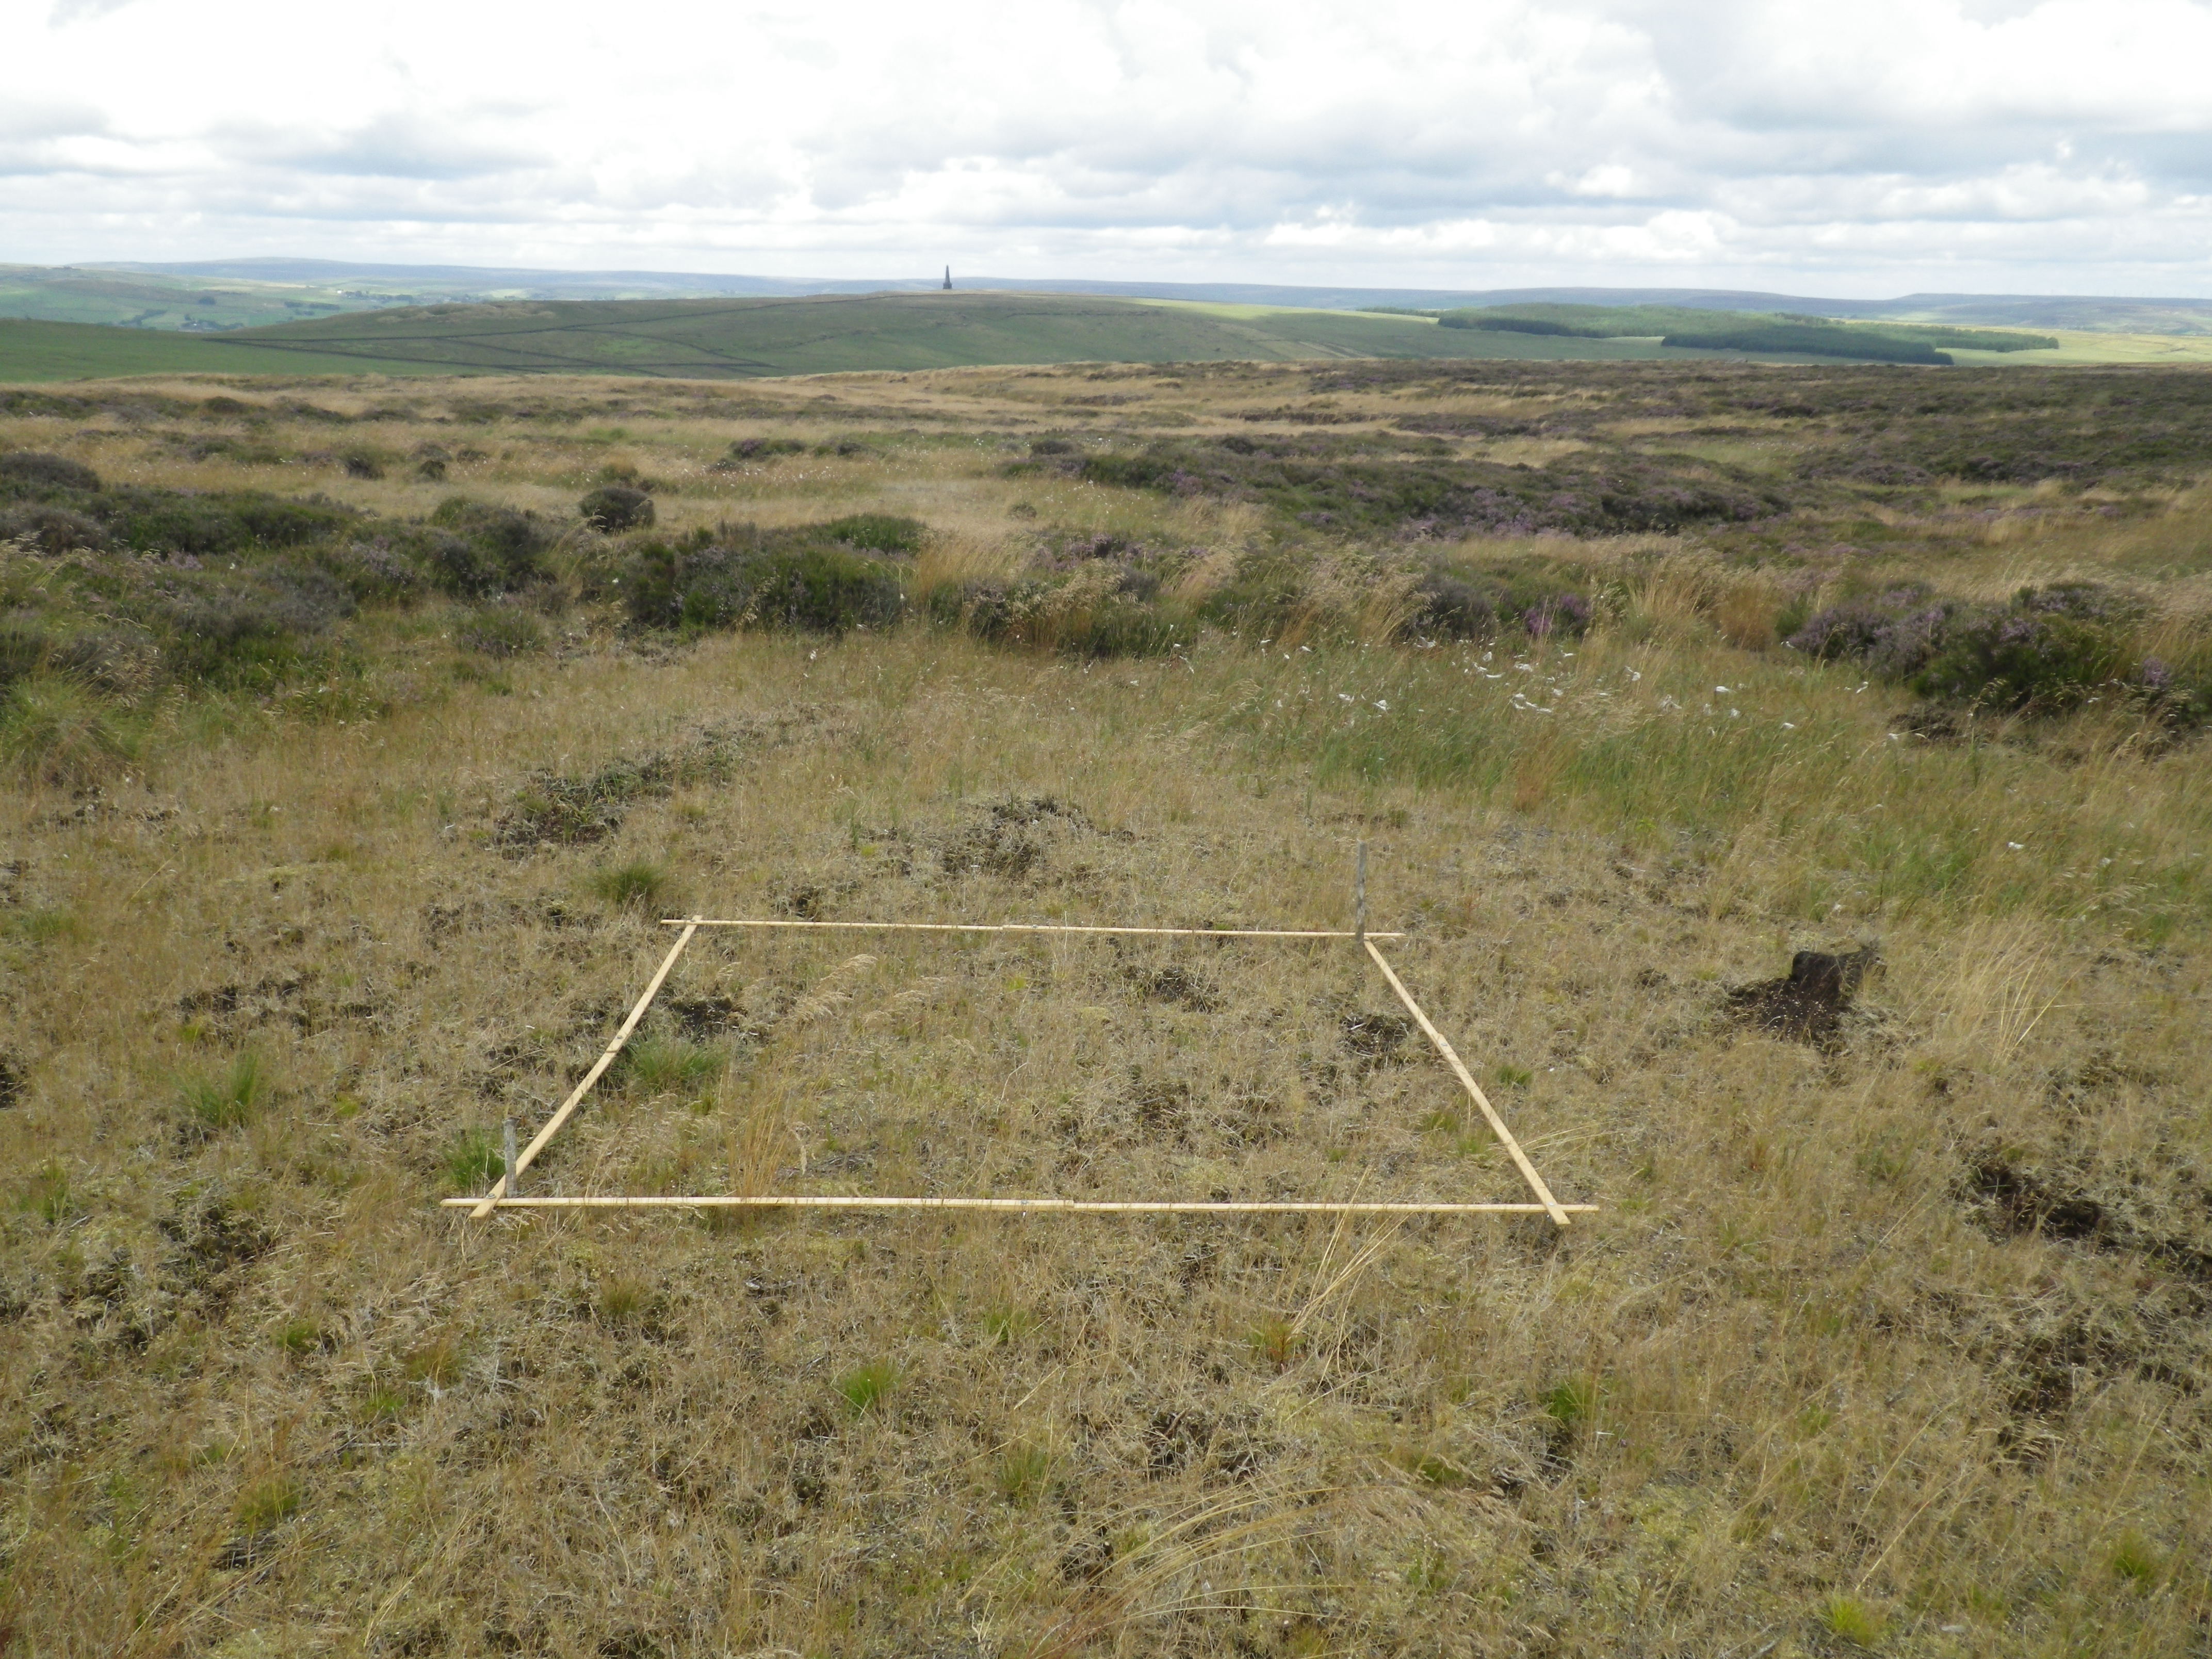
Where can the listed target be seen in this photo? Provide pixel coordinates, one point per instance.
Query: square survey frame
(498, 1198)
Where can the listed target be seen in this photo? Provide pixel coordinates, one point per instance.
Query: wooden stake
(1551, 1206)
(514, 1174)
(1359, 897)
(500, 1188)
(1026, 928)
(1090, 1207)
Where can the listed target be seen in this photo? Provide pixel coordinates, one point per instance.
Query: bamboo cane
(1551, 1206)
(1025, 928)
(499, 1189)
(1093, 1206)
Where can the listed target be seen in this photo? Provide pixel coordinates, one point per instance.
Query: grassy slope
(32, 351)
(1808, 1379)
(747, 339)
(758, 337)
(2077, 346)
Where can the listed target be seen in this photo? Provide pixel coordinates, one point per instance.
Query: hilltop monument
(948, 279)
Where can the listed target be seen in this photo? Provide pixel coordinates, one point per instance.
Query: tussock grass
(228, 1100)
(1870, 1338)
(641, 885)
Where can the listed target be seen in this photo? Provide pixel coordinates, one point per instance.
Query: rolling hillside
(744, 339)
(738, 338)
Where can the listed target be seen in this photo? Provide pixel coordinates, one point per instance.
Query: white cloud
(1888, 145)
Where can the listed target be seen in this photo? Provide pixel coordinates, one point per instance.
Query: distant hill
(748, 338)
(830, 334)
(340, 284)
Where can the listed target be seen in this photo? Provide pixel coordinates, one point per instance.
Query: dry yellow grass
(1846, 1358)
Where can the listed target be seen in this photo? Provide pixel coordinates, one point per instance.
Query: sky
(1856, 150)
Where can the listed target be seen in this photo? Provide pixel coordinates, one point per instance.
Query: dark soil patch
(1810, 1001)
(1179, 986)
(2019, 1203)
(1011, 838)
(559, 810)
(1377, 1040)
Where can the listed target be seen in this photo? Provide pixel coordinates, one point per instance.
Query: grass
(1913, 1317)
(866, 1387)
(476, 1160)
(654, 1065)
(57, 730)
(32, 351)
(1023, 1474)
(1850, 1620)
(228, 1100)
(269, 1504)
(641, 885)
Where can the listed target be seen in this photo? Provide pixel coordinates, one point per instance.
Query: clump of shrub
(253, 630)
(372, 571)
(616, 507)
(1457, 603)
(553, 809)
(204, 527)
(2045, 650)
(51, 530)
(877, 532)
(741, 575)
(477, 550)
(1110, 612)
(38, 470)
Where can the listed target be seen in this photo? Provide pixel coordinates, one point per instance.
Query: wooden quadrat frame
(506, 1194)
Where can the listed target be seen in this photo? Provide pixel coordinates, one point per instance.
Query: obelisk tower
(948, 279)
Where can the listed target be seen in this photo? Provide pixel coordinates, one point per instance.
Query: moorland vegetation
(1777, 333)
(360, 734)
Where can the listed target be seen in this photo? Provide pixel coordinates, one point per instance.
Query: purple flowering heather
(1563, 613)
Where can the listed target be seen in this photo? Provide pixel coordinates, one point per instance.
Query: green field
(748, 338)
(85, 352)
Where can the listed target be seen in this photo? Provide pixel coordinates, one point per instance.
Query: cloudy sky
(1862, 149)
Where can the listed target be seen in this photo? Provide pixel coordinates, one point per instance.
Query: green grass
(33, 351)
(641, 884)
(1850, 1620)
(864, 1386)
(228, 1101)
(1023, 1474)
(268, 1504)
(475, 1159)
(661, 1066)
